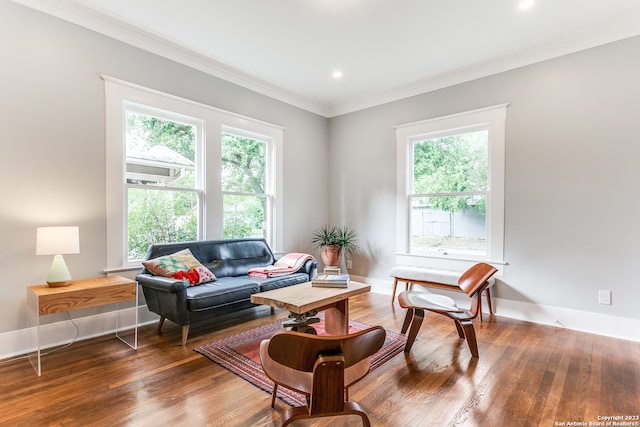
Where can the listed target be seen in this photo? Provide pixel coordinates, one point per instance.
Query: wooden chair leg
(302, 413)
(488, 293)
(470, 335)
(185, 334)
(295, 414)
(273, 395)
(459, 328)
(353, 408)
(418, 316)
(407, 320)
(395, 285)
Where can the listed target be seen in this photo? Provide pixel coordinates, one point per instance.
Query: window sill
(121, 269)
(447, 262)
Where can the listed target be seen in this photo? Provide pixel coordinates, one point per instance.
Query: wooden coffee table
(304, 298)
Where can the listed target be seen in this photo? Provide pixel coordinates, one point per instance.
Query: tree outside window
(244, 186)
(448, 204)
(161, 182)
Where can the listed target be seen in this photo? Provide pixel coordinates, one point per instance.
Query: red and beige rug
(239, 354)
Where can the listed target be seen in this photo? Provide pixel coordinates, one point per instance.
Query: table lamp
(57, 241)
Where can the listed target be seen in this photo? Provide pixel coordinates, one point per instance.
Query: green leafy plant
(343, 237)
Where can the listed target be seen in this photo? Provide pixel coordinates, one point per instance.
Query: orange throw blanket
(288, 264)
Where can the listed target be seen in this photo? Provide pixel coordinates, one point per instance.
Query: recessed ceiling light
(526, 4)
(337, 74)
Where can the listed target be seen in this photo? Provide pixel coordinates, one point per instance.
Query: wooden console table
(44, 300)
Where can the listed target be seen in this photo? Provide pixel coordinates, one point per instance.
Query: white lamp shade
(57, 240)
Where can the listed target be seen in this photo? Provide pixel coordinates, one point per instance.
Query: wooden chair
(473, 282)
(320, 367)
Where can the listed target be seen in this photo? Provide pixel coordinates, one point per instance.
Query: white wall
(572, 150)
(52, 132)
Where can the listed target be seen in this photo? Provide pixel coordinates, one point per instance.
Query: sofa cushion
(181, 265)
(236, 258)
(282, 281)
(225, 290)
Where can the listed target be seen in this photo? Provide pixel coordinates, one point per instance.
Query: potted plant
(333, 242)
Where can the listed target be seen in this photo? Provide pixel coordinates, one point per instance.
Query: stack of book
(331, 280)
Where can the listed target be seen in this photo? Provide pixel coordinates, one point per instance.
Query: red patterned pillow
(181, 265)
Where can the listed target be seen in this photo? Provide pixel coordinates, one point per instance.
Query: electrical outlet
(349, 264)
(604, 297)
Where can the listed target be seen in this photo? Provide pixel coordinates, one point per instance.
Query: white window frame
(492, 118)
(270, 177)
(117, 94)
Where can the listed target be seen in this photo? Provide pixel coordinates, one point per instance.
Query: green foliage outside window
(450, 177)
(155, 215)
(158, 215)
(145, 131)
(453, 164)
(244, 171)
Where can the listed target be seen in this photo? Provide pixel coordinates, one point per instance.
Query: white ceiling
(386, 49)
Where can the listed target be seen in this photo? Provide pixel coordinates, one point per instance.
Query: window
(449, 194)
(164, 194)
(178, 170)
(451, 183)
(246, 196)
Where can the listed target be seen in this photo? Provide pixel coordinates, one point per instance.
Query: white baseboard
(595, 323)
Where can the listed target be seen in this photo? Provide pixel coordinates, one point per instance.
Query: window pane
(451, 164)
(243, 164)
(449, 225)
(244, 216)
(160, 152)
(157, 216)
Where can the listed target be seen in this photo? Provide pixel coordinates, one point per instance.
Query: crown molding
(117, 28)
(100, 21)
(596, 36)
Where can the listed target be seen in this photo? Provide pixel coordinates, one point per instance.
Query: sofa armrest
(166, 284)
(310, 267)
(166, 297)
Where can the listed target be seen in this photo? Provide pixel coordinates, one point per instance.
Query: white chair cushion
(446, 277)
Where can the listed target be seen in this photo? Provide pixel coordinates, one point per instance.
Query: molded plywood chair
(320, 367)
(473, 282)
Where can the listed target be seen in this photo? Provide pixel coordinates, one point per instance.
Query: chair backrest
(300, 351)
(476, 278)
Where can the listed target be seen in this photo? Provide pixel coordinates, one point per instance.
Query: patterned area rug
(239, 354)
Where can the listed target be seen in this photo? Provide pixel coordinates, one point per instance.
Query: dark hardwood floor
(527, 375)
